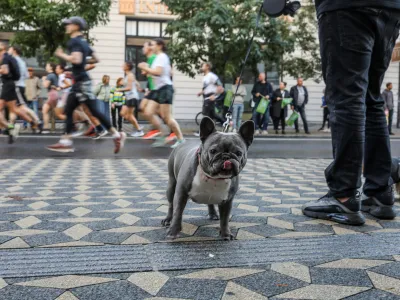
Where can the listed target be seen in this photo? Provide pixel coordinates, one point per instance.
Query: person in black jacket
(299, 93)
(277, 112)
(354, 62)
(261, 89)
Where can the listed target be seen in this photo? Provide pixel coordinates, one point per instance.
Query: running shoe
(13, 133)
(99, 135)
(171, 137)
(45, 131)
(90, 131)
(60, 147)
(151, 134)
(160, 142)
(380, 205)
(196, 133)
(178, 143)
(137, 134)
(119, 142)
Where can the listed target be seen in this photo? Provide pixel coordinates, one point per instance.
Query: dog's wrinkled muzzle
(227, 165)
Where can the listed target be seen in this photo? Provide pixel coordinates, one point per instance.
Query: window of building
(145, 28)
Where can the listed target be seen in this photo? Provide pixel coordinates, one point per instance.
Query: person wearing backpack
(9, 72)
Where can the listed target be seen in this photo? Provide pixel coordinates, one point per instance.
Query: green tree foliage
(38, 23)
(219, 31)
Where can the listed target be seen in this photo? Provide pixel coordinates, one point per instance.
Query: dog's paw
(213, 216)
(173, 232)
(226, 236)
(166, 222)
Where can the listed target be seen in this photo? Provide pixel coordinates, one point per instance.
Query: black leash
(229, 113)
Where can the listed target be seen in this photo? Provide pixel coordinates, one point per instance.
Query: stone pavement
(82, 204)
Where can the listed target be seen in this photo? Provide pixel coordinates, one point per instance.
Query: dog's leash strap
(229, 113)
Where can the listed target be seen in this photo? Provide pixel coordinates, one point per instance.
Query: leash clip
(227, 122)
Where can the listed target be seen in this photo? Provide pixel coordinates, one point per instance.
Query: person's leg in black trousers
(391, 112)
(276, 124)
(120, 118)
(302, 112)
(113, 116)
(283, 121)
(353, 70)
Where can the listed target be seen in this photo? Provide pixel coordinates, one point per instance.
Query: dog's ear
(246, 131)
(207, 127)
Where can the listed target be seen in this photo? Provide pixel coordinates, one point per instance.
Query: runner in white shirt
(164, 93)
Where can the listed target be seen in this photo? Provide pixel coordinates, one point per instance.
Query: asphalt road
(33, 147)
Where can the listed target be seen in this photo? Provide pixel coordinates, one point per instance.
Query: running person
(50, 82)
(8, 96)
(148, 51)
(130, 90)
(16, 52)
(81, 91)
(164, 93)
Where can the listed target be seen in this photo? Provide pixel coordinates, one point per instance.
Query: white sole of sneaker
(62, 150)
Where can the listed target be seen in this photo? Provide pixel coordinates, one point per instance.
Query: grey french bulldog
(207, 174)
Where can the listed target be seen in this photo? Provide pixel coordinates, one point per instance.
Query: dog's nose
(227, 165)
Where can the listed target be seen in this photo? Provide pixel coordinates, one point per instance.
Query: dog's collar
(208, 176)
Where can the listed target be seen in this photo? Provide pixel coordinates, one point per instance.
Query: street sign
(396, 53)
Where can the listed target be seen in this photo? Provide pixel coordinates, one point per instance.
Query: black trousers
(326, 117)
(391, 112)
(356, 47)
(302, 111)
(209, 111)
(116, 113)
(281, 119)
(73, 102)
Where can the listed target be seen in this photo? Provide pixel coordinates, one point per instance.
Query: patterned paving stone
(193, 289)
(392, 269)
(29, 293)
(374, 295)
(3, 284)
(294, 270)
(234, 291)
(348, 263)
(67, 296)
(78, 231)
(221, 273)
(328, 292)
(270, 283)
(66, 282)
(118, 290)
(385, 283)
(151, 282)
(348, 277)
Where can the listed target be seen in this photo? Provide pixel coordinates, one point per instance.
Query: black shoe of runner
(329, 208)
(380, 205)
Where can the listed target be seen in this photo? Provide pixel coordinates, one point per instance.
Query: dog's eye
(213, 151)
(239, 153)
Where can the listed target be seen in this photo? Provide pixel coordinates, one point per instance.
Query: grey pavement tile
(395, 225)
(266, 230)
(197, 289)
(350, 277)
(270, 283)
(118, 290)
(391, 269)
(106, 237)
(149, 214)
(281, 210)
(4, 239)
(47, 239)
(50, 225)
(212, 232)
(9, 226)
(293, 218)
(361, 229)
(122, 276)
(249, 219)
(13, 292)
(104, 225)
(149, 222)
(373, 295)
(313, 228)
(158, 235)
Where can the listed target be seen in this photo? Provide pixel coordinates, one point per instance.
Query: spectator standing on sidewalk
(117, 99)
(261, 89)
(299, 93)
(387, 96)
(277, 112)
(32, 91)
(238, 106)
(102, 93)
(354, 63)
(325, 120)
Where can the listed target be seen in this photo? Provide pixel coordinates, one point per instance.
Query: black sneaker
(380, 205)
(329, 208)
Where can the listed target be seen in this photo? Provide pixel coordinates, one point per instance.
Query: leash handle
(229, 114)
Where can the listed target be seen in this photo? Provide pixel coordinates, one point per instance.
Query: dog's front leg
(180, 200)
(224, 213)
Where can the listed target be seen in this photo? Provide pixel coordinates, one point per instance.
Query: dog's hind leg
(170, 194)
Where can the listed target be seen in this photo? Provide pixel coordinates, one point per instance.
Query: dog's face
(224, 155)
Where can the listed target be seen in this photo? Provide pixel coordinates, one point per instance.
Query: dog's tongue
(227, 165)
